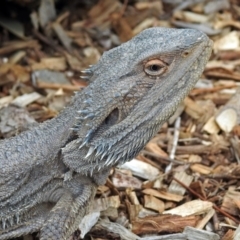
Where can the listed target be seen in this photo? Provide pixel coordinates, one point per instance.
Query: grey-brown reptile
(49, 174)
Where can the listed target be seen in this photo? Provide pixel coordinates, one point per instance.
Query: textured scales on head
(134, 89)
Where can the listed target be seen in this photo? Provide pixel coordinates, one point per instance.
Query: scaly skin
(49, 174)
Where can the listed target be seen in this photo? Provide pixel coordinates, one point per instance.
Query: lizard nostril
(185, 54)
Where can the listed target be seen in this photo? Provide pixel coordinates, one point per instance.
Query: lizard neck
(67, 117)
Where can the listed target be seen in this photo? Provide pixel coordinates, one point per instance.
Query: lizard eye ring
(155, 67)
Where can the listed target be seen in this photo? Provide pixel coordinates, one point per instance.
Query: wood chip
(121, 180)
(62, 35)
(26, 99)
(201, 168)
(205, 219)
(228, 42)
(153, 203)
(163, 195)
(196, 234)
(195, 207)
(177, 188)
(162, 223)
(141, 169)
(55, 64)
(104, 203)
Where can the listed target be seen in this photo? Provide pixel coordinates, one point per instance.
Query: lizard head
(134, 89)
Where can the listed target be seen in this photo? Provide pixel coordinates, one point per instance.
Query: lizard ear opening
(112, 118)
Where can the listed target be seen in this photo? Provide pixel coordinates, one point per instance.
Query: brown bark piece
(163, 223)
(229, 205)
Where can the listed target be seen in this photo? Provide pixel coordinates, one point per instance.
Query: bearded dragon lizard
(50, 173)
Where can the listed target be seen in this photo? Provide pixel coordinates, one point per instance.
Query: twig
(167, 159)
(175, 142)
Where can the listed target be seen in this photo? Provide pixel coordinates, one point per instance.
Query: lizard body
(50, 174)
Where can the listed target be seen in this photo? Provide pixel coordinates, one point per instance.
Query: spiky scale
(89, 133)
(83, 111)
(88, 101)
(83, 144)
(87, 71)
(109, 159)
(3, 223)
(90, 116)
(79, 118)
(103, 155)
(99, 150)
(90, 152)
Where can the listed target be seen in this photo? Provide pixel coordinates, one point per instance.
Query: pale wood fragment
(141, 169)
(46, 12)
(193, 158)
(201, 224)
(195, 207)
(145, 5)
(4, 101)
(177, 236)
(101, 204)
(237, 234)
(62, 35)
(153, 203)
(110, 212)
(228, 116)
(190, 16)
(17, 57)
(176, 188)
(192, 108)
(88, 222)
(158, 182)
(53, 63)
(229, 235)
(19, 72)
(196, 234)
(200, 168)
(117, 228)
(103, 189)
(143, 212)
(133, 198)
(101, 11)
(163, 195)
(26, 99)
(227, 119)
(17, 45)
(133, 210)
(143, 25)
(154, 148)
(211, 126)
(228, 42)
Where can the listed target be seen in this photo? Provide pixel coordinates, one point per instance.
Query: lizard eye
(155, 67)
